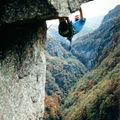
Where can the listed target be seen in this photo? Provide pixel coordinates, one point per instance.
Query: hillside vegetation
(93, 48)
(73, 92)
(97, 95)
(63, 71)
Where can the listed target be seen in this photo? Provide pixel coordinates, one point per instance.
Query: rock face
(19, 10)
(67, 6)
(22, 59)
(22, 73)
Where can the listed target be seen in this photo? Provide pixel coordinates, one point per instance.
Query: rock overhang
(35, 10)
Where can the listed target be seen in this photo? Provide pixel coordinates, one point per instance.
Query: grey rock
(19, 10)
(22, 59)
(22, 75)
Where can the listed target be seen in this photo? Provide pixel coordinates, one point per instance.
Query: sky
(94, 8)
(98, 7)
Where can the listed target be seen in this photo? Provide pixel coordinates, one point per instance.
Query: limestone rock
(22, 59)
(22, 73)
(21, 10)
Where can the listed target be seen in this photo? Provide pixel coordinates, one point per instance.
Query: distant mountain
(112, 14)
(54, 48)
(63, 71)
(92, 48)
(90, 95)
(96, 95)
(62, 74)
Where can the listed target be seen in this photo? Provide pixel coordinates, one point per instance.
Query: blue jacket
(78, 25)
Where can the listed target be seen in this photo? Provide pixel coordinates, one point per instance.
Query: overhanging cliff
(21, 10)
(22, 59)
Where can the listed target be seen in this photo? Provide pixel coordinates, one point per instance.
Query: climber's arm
(81, 13)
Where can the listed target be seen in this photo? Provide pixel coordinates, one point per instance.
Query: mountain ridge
(92, 45)
(96, 94)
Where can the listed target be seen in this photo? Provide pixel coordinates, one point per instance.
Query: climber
(68, 28)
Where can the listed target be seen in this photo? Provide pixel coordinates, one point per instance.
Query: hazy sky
(98, 7)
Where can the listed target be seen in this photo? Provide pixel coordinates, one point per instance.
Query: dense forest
(84, 84)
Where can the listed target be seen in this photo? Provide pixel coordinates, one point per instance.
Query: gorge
(22, 59)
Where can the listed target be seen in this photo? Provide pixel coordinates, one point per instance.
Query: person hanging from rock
(68, 28)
